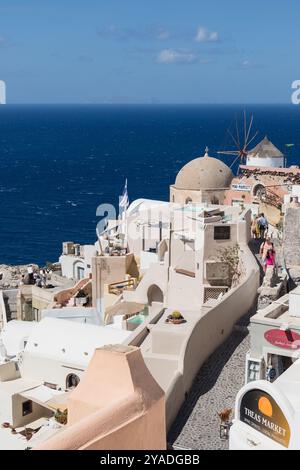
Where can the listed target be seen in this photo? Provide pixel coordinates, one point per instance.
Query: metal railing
(214, 292)
(118, 287)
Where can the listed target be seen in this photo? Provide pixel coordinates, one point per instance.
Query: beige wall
(117, 405)
(273, 214)
(30, 297)
(38, 411)
(157, 275)
(24, 303)
(213, 329)
(8, 371)
(210, 196)
(174, 359)
(11, 409)
(41, 298)
(110, 269)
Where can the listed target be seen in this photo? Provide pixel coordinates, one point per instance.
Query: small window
(222, 232)
(72, 381)
(26, 408)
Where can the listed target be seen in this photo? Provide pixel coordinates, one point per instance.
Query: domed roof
(204, 173)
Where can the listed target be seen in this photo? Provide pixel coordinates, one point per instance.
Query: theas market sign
(260, 411)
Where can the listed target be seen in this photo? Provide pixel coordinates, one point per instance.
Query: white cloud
(173, 56)
(247, 64)
(144, 34)
(162, 34)
(204, 35)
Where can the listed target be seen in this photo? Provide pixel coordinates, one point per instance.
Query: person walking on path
(267, 253)
(254, 228)
(263, 225)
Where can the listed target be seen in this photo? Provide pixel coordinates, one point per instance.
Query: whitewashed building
(44, 361)
(265, 154)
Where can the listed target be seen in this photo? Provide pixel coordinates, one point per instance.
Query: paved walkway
(215, 387)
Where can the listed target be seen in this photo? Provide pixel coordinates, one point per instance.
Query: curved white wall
(210, 331)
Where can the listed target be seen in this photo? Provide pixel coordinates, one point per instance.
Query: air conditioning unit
(68, 248)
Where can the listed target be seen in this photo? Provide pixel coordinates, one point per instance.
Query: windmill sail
(242, 147)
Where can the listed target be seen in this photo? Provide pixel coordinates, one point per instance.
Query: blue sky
(155, 51)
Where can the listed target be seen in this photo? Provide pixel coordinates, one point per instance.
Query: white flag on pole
(123, 200)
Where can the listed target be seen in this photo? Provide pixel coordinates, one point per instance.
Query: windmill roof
(266, 149)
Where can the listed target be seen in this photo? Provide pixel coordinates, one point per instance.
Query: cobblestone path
(215, 388)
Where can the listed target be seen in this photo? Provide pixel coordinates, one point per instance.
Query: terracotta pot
(175, 321)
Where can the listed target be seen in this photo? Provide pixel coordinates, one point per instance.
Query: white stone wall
(77, 314)
(276, 162)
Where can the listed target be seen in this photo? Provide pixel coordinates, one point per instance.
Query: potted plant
(176, 318)
(61, 416)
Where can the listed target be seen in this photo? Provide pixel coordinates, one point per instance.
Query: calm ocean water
(58, 163)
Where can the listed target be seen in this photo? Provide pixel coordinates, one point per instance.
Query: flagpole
(123, 206)
(125, 221)
(287, 146)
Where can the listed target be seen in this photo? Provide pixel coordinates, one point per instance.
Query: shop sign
(260, 411)
(283, 339)
(241, 187)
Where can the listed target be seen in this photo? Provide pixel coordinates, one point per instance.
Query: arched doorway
(155, 294)
(162, 249)
(72, 381)
(259, 191)
(78, 270)
(188, 200)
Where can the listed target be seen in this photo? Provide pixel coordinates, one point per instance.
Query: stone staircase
(10, 302)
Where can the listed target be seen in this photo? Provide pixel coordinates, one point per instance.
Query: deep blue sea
(58, 163)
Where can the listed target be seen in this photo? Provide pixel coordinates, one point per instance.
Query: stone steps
(10, 302)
